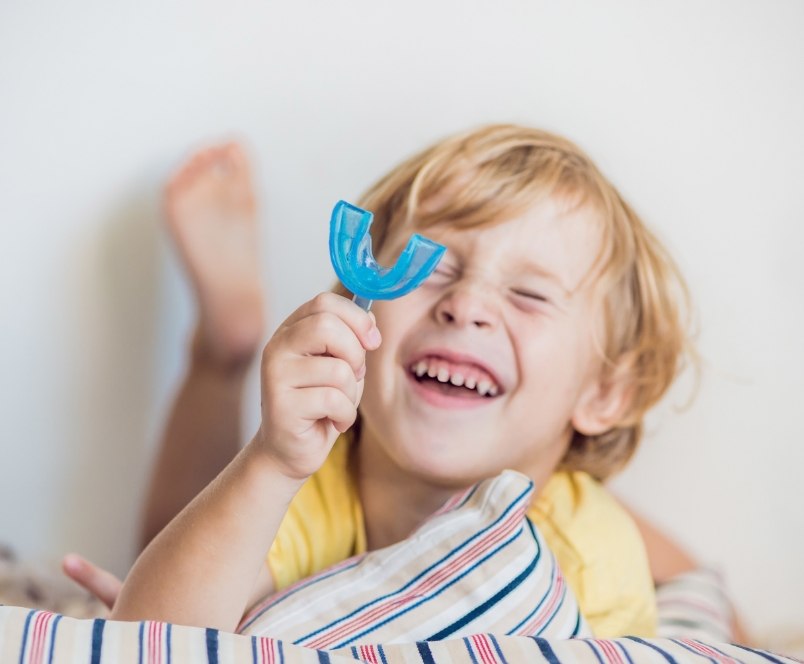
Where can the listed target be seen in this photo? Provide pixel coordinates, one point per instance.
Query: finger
(324, 372)
(359, 321)
(325, 334)
(102, 584)
(325, 403)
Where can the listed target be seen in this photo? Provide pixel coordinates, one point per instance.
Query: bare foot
(211, 214)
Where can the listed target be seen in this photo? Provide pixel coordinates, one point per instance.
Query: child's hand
(312, 381)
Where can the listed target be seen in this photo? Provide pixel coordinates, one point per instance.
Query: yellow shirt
(596, 543)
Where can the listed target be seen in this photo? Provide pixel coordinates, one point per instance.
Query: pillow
(477, 565)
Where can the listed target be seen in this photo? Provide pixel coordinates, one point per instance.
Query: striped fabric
(478, 565)
(28, 636)
(695, 605)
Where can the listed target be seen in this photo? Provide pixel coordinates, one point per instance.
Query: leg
(211, 216)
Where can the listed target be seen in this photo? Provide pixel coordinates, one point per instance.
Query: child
(548, 330)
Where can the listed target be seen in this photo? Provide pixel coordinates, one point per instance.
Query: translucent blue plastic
(352, 258)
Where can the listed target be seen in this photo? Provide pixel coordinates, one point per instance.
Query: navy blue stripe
(212, 646)
(577, 629)
(97, 639)
(761, 653)
(254, 649)
(169, 642)
(53, 638)
(466, 498)
(381, 651)
(142, 631)
(25, 634)
(546, 650)
(543, 599)
(302, 586)
(624, 651)
(281, 649)
(490, 602)
(323, 657)
(663, 653)
(593, 647)
(470, 649)
(429, 597)
(498, 649)
(355, 654)
(451, 554)
(424, 652)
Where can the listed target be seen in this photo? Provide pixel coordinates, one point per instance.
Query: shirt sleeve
(601, 553)
(323, 524)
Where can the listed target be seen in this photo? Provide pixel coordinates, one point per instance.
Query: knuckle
(323, 300)
(342, 373)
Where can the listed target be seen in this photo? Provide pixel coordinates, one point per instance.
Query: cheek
(553, 363)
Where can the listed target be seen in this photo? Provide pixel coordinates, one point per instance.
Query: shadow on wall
(119, 277)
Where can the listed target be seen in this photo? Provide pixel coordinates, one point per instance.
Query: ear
(603, 401)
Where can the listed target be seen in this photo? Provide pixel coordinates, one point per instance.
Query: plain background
(693, 109)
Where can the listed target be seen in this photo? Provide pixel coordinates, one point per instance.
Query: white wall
(694, 110)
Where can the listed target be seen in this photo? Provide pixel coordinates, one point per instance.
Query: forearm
(202, 436)
(201, 569)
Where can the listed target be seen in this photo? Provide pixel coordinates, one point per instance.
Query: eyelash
(531, 296)
(448, 274)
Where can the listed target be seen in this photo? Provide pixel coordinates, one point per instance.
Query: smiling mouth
(456, 380)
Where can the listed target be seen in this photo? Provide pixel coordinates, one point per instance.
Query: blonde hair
(489, 174)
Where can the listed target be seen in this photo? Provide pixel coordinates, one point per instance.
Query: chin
(448, 468)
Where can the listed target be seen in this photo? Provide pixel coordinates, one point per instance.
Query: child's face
(504, 311)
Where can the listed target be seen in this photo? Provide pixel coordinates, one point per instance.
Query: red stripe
(33, 653)
(700, 647)
(424, 586)
(39, 636)
(367, 654)
(269, 601)
(540, 618)
(683, 603)
(269, 651)
(482, 647)
(610, 650)
(451, 503)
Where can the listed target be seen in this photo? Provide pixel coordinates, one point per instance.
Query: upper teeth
(437, 370)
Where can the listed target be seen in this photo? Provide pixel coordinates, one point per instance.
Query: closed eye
(531, 295)
(443, 272)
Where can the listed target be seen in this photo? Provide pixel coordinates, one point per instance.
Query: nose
(467, 305)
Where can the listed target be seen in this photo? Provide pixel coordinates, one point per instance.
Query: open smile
(451, 384)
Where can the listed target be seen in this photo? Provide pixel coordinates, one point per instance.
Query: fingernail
(72, 562)
(374, 337)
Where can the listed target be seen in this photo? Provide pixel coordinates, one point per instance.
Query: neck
(394, 503)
